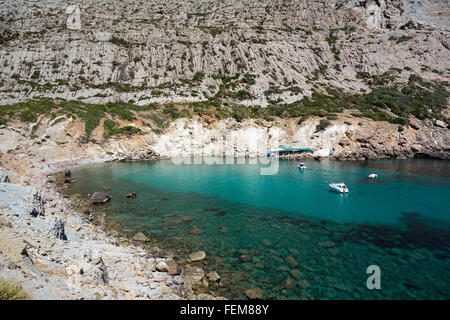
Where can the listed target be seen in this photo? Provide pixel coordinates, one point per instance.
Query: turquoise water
(289, 225)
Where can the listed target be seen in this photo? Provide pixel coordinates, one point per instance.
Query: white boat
(301, 166)
(373, 176)
(339, 187)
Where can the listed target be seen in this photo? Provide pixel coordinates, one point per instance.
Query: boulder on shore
(162, 266)
(173, 270)
(100, 197)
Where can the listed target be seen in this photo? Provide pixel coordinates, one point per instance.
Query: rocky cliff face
(148, 51)
(347, 138)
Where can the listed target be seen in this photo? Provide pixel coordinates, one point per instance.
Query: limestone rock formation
(147, 51)
(74, 17)
(58, 229)
(4, 177)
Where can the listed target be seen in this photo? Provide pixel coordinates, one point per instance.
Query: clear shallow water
(290, 226)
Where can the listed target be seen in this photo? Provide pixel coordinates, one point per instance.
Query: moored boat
(338, 187)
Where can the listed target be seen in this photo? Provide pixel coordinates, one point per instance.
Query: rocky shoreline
(55, 252)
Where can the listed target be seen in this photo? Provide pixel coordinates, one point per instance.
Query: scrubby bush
(10, 291)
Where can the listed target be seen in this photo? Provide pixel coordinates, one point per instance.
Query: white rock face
(374, 19)
(74, 18)
(148, 51)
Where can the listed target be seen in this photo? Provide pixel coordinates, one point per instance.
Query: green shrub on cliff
(392, 102)
(111, 128)
(9, 291)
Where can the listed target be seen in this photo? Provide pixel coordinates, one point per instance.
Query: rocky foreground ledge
(56, 253)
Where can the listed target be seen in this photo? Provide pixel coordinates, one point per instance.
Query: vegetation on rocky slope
(9, 291)
(388, 101)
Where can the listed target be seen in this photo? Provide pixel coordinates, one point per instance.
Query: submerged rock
(297, 274)
(289, 283)
(291, 260)
(254, 293)
(131, 195)
(139, 237)
(213, 276)
(244, 258)
(224, 230)
(167, 254)
(303, 284)
(327, 244)
(186, 218)
(99, 197)
(197, 256)
(196, 230)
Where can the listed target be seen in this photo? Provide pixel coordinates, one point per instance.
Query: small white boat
(339, 187)
(373, 176)
(301, 166)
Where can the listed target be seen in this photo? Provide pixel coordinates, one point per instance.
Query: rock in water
(99, 197)
(213, 276)
(244, 258)
(327, 244)
(289, 283)
(67, 173)
(167, 254)
(297, 274)
(196, 230)
(186, 218)
(58, 229)
(131, 195)
(254, 293)
(140, 237)
(197, 256)
(291, 260)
